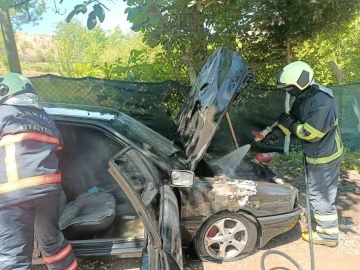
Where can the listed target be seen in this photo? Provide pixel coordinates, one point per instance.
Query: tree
(109, 54)
(17, 12)
(276, 24)
(188, 34)
(21, 11)
(261, 29)
(27, 12)
(78, 49)
(342, 46)
(139, 62)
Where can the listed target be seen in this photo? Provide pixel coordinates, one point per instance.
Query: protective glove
(286, 120)
(273, 136)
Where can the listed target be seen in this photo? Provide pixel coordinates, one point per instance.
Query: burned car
(128, 191)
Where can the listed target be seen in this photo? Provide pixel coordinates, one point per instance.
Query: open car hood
(221, 79)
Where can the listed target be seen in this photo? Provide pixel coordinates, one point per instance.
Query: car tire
(237, 241)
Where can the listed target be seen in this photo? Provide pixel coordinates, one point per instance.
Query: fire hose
(259, 136)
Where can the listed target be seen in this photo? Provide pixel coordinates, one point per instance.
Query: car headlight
(182, 178)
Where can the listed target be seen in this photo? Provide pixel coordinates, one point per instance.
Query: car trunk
(84, 165)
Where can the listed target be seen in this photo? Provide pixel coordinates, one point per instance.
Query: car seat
(90, 213)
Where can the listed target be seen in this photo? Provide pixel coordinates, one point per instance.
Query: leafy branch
(97, 14)
(57, 10)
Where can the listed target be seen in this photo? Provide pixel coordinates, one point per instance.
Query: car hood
(221, 79)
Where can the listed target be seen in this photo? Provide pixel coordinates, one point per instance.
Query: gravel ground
(345, 256)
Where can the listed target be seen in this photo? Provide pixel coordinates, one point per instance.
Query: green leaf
(70, 16)
(91, 22)
(162, 3)
(200, 6)
(131, 14)
(84, 10)
(92, 15)
(154, 20)
(78, 8)
(100, 13)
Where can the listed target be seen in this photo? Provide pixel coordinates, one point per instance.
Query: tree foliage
(267, 26)
(259, 28)
(95, 14)
(110, 55)
(342, 46)
(78, 48)
(184, 33)
(187, 34)
(24, 11)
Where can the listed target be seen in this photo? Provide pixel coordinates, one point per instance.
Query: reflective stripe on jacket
(28, 163)
(317, 112)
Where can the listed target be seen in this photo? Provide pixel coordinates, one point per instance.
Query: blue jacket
(317, 113)
(28, 163)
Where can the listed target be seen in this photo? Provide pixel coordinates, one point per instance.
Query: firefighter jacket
(28, 163)
(317, 113)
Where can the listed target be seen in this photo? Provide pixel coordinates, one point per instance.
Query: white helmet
(297, 74)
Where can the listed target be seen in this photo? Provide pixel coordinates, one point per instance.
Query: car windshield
(146, 138)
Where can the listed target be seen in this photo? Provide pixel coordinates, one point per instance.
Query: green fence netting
(156, 105)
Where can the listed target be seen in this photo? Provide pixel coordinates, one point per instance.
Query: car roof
(81, 111)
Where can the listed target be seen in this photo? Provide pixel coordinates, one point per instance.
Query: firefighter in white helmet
(30, 181)
(314, 119)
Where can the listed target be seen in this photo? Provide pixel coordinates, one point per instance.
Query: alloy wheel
(226, 238)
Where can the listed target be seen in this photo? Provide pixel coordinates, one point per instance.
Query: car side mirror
(182, 178)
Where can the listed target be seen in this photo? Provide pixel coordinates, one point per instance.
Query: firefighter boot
(317, 240)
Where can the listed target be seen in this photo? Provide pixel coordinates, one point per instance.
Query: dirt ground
(345, 256)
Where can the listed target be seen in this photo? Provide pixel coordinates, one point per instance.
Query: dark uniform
(30, 185)
(317, 113)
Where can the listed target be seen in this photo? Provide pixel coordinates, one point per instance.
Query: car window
(144, 137)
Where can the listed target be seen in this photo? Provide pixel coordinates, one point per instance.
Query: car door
(156, 205)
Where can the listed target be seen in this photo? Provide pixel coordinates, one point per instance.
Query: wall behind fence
(156, 105)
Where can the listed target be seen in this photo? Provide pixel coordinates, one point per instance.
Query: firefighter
(314, 119)
(30, 181)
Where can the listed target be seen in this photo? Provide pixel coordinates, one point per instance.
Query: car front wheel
(225, 238)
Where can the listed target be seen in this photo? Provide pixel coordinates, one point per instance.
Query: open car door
(156, 205)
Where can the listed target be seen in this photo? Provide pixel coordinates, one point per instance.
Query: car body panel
(171, 235)
(221, 79)
(272, 206)
(212, 195)
(272, 226)
(101, 249)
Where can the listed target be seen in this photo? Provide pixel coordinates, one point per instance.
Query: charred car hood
(221, 79)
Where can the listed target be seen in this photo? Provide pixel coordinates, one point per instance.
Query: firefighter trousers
(323, 185)
(18, 225)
